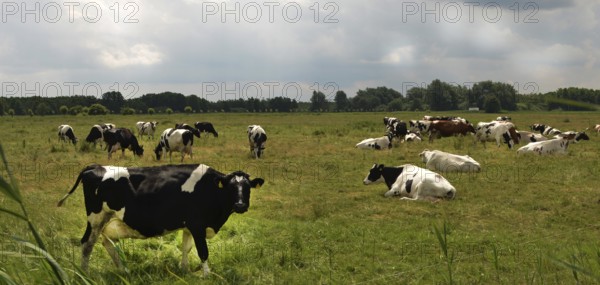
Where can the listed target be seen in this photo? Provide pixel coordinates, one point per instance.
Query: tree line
(438, 95)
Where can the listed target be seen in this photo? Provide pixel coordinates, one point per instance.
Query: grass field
(522, 220)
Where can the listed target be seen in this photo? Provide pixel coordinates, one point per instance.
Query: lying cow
(597, 129)
(413, 137)
(500, 132)
(572, 136)
(440, 129)
(552, 146)
(206, 127)
(256, 138)
(503, 119)
(175, 140)
(448, 162)
(544, 129)
(65, 132)
(379, 143)
(411, 182)
(122, 139)
(528, 137)
(143, 202)
(96, 134)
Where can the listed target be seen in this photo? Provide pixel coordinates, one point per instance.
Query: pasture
(519, 221)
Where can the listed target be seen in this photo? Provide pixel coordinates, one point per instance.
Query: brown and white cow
(440, 129)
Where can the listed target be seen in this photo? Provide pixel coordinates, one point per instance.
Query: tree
(491, 104)
(187, 109)
(395, 105)
(43, 109)
(113, 100)
(11, 112)
(318, 102)
(75, 110)
(341, 101)
(169, 111)
(97, 109)
(63, 109)
(151, 111)
(127, 111)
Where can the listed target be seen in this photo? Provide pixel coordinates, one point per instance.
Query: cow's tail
(62, 200)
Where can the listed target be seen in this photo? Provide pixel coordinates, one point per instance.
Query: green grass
(522, 220)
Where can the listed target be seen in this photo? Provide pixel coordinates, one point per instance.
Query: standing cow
(143, 202)
(146, 128)
(441, 128)
(184, 126)
(121, 138)
(175, 140)
(499, 131)
(66, 132)
(256, 138)
(411, 182)
(96, 134)
(206, 127)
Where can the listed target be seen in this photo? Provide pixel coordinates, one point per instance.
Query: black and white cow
(573, 136)
(413, 137)
(379, 143)
(146, 128)
(66, 132)
(544, 129)
(143, 202)
(122, 138)
(194, 131)
(498, 131)
(437, 160)
(552, 146)
(421, 126)
(175, 140)
(503, 119)
(206, 127)
(528, 137)
(411, 182)
(96, 134)
(398, 130)
(389, 122)
(256, 138)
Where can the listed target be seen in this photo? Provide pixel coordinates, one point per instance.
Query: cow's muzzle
(240, 208)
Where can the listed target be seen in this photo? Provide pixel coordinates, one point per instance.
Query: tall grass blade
(576, 268)
(60, 273)
(6, 279)
(11, 190)
(15, 214)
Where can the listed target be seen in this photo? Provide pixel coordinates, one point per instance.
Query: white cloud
(139, 54)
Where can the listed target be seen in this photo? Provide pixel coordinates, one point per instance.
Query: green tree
(491, 104)
(342, 103)
(169, 111)
(11, 112)
(75, 110)
(151, 111)
(187, 109)
(63, 109)
(127, 111)
(395, 105)
(43, 109)
(318, 102)
(113, 101)
(97, 109)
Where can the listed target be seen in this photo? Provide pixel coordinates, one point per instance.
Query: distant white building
(473, 108)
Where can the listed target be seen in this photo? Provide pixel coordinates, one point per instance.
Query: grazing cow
(421, 126)
(545, 130)
(411, 182)
(66, 132)
(413, 137)
(146, 128)
(499, 131)
(551, 146)
(122, 138)
(175, 140)
(256, 138)
(96, 134)
(597, 128)
(528, 137)
(449, 128)
(448, 162)
(194, 131)
(503, 119)
(384, 142)
(143, 202)
(206, 127)
(572, 136)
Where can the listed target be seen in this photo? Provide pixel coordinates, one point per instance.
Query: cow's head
(470, 128)
(582, 136)
(138, 150)
(158, 151)
(424, 155)
(237, 187)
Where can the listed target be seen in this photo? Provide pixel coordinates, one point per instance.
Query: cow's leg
(112, 251)
(109, 147)
(95, 225)
(199, 234)
(187, 242)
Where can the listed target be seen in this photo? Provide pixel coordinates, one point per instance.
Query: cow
(66, 132)
(398, 130)
(503, 119)
(146, 128)
(96, 134)
(449, 128)
(122, 138)
(597, 129)
(448, 162)
(544, 129)
(552, 146)
(256, 138)
(528, 137)
(411, 182)
(144, 202)
(380, 143)
(184, 126)
(572, 136)
(413, 137)
(389, 121)
(445, 118)
(175, 140)
(421, 126)
(499, 131)
(206, 127)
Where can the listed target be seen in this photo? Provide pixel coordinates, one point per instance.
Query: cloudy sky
(230, 49)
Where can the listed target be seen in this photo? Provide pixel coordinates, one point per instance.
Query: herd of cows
(143, 202)
(415, 183)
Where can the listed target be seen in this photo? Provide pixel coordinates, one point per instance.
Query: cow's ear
(257, 182)
(381, 166)
(219, 182)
